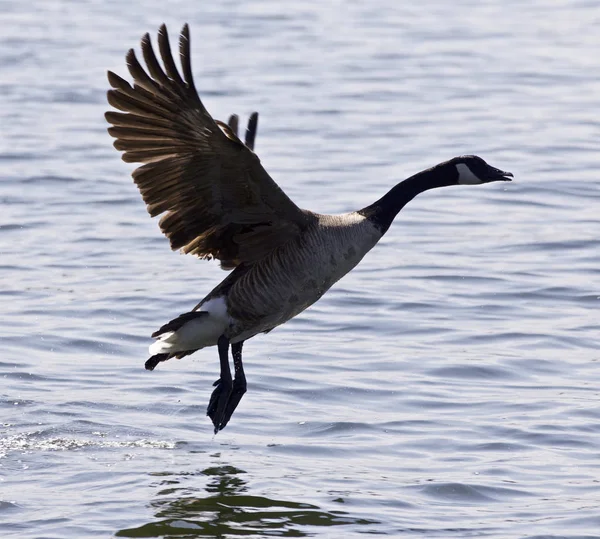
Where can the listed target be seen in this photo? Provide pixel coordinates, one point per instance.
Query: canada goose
(221, 203)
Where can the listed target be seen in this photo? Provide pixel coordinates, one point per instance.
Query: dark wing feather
(219, 200)
(233, 123)
(251, 130)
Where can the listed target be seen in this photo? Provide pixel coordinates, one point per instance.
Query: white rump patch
(217, 308)
(466, 176)
(198, 332)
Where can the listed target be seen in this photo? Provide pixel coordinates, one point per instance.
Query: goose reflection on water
(228, 509)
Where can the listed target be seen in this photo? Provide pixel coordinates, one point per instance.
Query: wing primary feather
(251, 130)
(146, 156)
(159, 98)
(123, 102)
(166, 143)
(139, 93)
(139, 74)
(233, 123)
(142, 135)
(153, 66)
(119, 119)
(117, 82)
(186, 61)
(167, 58)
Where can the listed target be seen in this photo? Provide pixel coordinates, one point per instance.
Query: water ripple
(447, 387)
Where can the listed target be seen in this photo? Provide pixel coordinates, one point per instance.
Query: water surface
(447, 387)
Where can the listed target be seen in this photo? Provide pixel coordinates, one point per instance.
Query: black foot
(218, 404)
(235, 396)
(227, 394)
(239, 388)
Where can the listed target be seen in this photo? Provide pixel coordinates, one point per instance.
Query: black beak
(496, 174)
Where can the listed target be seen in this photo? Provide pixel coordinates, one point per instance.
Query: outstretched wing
(219, 200)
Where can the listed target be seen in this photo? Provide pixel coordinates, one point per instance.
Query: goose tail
(185, 335)
(155, 360)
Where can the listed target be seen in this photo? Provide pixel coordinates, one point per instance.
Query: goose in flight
(217, 201)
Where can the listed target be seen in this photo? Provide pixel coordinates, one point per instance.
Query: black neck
(382, 212)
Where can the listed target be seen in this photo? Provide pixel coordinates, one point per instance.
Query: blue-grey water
(448, 387)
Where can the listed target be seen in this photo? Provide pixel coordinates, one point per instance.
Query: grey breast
(297, 274)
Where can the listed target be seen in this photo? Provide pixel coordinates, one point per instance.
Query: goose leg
(220, 395)
(239, 383)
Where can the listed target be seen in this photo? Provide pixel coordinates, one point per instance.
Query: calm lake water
(449, 387)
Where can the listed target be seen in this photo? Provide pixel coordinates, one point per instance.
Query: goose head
(472, 170)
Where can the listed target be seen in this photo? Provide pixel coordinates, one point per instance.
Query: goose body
(258, 298)
(219, 202)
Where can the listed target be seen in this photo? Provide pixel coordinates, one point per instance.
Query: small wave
(29, 442)
(452, 492)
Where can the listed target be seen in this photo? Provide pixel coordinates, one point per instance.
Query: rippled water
(448, 387)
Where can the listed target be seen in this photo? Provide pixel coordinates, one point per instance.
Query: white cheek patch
(465, 176)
